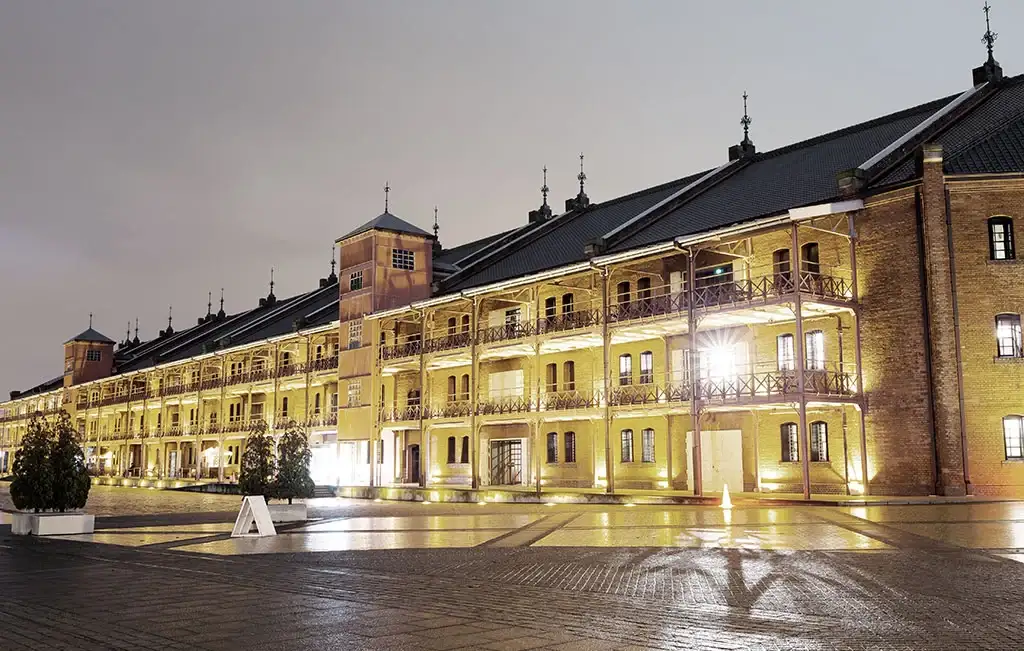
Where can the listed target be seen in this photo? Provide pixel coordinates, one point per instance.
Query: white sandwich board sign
(254, 511)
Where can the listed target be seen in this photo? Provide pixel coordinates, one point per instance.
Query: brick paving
(917, 593)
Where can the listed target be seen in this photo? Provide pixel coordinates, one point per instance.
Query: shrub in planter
(71, 482)
(293, 478)
(32, 486)
(256, 476)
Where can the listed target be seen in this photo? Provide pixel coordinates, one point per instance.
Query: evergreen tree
(32, 486)
(256, 476)
(71, 481)
(293, 478)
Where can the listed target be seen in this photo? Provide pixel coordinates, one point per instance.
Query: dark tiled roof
(45, 387)
(560, 241)
(387, 222)
(91, 336)
(986, 137)
(456, 253)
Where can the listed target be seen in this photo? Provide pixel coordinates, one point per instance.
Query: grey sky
(152, 151)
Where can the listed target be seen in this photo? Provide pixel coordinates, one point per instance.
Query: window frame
(786, 362)
(814, 350)
(355, 281)
(551, 377)
(647, 454)
(451, 450)
(810, 258)
(552, 447)
(647, 367)
(1014, 347)
(464, 456)
(93, 355)
(626, 446)
(1019, 421)
(790, 437)
(818, 441)
(570, 447)
(1005, 223)
(569, 375)
(403, 259)
(625, 370)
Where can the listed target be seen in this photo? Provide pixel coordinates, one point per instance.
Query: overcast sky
(153, 151)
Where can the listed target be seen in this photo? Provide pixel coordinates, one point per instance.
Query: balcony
(507, 332)
(211, 383)
(766, 285)
(569, 321)
(766, 383)
(402, 350)
(650, 303)
(452, 409)
(399, 414)
(570, 400)
(451, 341)
(172, 390)
(324, 364)
(669, 388)
(499, 404)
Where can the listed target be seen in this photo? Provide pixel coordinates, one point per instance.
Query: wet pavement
(364, 575)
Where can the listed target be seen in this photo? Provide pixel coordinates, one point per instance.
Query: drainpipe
(959, 358)
(926, 317)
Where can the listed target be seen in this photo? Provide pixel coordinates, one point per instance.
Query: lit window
(513, 316)
(625, 369)
(646, 367)
(403, 259)
(355, 334)
(551, 385)
(627, 446)
(569, 376)
(284, 407)
(92, 355)
(647, 446)
(1012, 436)
(353, 393)
(355, 280)
(1000, 238)
(452, 395)
(464, 386)
(1008, 335)
(787, 353)
(809, 258)
(552, 447)
(819, 441)
(567, 304)
(814, 342)
(790, 442)
(452, 324)
(570, 447)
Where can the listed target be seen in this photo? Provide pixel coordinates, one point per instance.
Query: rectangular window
(1012, 435)
(355, 334)
(451, 449)
(1000, 232)
(355, 280)
(790, 442)
(1008, 335)
(551, 383)
(403, 259)
(647, 446)
(353, 393)
(646, 367)
(465, 450)
(786, 352)
(552, 447)
(819, 441)
(513, 316)
(570, 447)
(627, 446)
(814, 343)
(92, 355)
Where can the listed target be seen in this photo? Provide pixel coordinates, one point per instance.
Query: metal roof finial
(209, 303)
(128, 332)
(436, 227)
(170, 312)
(332, 260)
(990, 37)
(582, 176)
(271, 283)
(745, 121)
(90, 319)
(544, 188)
(136, 330)
(387, 190)
(221, 313)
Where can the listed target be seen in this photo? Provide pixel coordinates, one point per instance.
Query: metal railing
(451, 341)
(570, 399)
(507, 332)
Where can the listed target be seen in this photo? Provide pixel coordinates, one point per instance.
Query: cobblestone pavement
(920, 582)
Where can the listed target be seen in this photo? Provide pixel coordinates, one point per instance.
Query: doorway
(414, 464)
(721, 459)
(506, 463)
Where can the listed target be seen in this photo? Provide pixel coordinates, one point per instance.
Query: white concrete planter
(287, 512)
(51, 524)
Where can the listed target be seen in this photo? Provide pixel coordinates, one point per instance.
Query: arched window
(814, 350)
(646, 367)
(569, 376)
(551, 378)
(786, 352)
(316, 403)
(622, 293)
(819, 441)
(790, 442)
(465, 323)
(1008, 336)
(809, 258)
(452, 325)
(550, 308)
(452, 394)
(1000, 238)
(647, 446)
(465, 450)
(567, 304)
(627, 445)
(570, 447)
(783, 270)
(451, 449)
(413, 398)
(320, 349)
(464, 394)
(284, 407)
(643, 291)
(286, 358)
(552, 447)
(625, 370)
(1013, 437)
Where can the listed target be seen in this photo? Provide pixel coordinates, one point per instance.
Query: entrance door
(721, 459)
(506, 463)
(414, 464)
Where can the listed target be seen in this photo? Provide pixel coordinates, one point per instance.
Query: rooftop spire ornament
(170, 312)
(990, 71)
(332, 260)
(209, 303)
(582, 176)
(745, 121)
(544, 188)
(387, 190)
(136, 340)
(436, 227)
(90, 319)
(990, 37)
(221, 313)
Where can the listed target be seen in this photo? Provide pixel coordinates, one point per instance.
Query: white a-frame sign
(254, 511)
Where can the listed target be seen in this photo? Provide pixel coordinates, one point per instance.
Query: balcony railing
(401, 350)
(758, 382)
(652, 390)
(452, 409)
(567, 321)
(398, 414)
(571, 399)
(324, 364)
(648, 303)
(451, 341)
(507, 332)
(504, 405)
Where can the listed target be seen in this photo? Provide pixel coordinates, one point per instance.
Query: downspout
(956, 336)
(926, 316)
